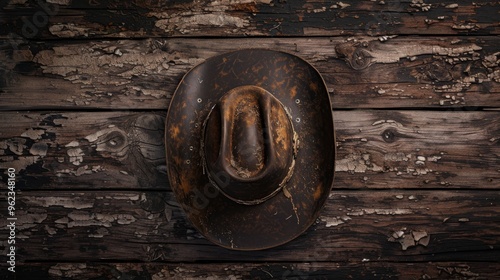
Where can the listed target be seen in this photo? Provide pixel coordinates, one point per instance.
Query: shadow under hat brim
(300, 88)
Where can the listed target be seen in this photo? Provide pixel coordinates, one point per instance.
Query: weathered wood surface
(364, 72)
(375, 226)
(375, 149)
(315, 270)
(119, 19)
(52, 150)
(84, 88)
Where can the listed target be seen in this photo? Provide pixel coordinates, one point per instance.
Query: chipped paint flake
(85, 66)
(356, 163)
(433, 158)
(66, 30)
(397, 157)
(380, 211)
(66, 202)
(125, 219)
(75, 156)
(332, 221)
(39, 149)
(343, 5)
(33, 134)
(16, 145)
(187, 23)
(424, 241)
(468, 26)
(84, 219)
(396, 211)
(383, 53)
(417, 235)
(72, 144)
(410, 238)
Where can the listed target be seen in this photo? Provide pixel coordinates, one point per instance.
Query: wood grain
(362, 72)
(139, 19)
(375, 149)
(181, 271)
(378, 226)
(123, 150)
(415, 87)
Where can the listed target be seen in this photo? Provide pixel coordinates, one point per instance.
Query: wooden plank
(375, 149)
(379, 226)
(417, 149)
(84, 150)
(406, 72)
(115, 19)
(316, 270)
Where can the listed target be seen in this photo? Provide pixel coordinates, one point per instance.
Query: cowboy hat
(250, 147)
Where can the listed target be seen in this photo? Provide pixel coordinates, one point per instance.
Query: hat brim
(301, 89)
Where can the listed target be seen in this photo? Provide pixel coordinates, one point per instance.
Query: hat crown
(248, 145)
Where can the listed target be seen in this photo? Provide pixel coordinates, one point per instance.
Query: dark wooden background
(415, 89)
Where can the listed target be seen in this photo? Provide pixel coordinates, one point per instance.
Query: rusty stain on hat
(251, 147)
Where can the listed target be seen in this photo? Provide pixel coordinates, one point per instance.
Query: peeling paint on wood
(139, 19)
(126, 149)
(127, 224)
(67, 202)
(255, 270)
(410, 238)
(414, 188)
(401, 145)
(360, 72)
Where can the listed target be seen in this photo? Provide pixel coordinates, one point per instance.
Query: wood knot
(389, 135)
(355, 54)
(115, 141)
(360, 59)
(110, 142)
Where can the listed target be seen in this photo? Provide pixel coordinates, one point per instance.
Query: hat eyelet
(199, 100)
(297, 119)
(188, 161)
(191, 148)
(297, 101)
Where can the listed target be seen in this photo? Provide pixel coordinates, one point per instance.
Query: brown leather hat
(251, 147)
